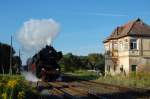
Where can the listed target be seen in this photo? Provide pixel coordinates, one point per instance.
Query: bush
(15, 87)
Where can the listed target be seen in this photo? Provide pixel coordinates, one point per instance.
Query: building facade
(127, 49)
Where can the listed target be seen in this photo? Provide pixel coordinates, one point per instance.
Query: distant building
(127, 49)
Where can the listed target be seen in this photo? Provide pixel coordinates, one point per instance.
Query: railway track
(91, 90)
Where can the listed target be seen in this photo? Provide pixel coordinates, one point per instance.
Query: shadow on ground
(126, 95)
(71, 78)
(120, 95)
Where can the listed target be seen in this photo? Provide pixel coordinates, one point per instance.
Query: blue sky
(84, 24)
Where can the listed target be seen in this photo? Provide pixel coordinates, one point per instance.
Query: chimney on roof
(117, 30)
(138, 19)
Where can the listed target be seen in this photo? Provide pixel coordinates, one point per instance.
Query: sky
(84, 24)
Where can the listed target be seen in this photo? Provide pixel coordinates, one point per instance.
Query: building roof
(135, 28)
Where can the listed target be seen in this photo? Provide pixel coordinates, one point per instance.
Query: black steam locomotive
(44, 64)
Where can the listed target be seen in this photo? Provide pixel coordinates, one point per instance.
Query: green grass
(138, 80)
(84, 74)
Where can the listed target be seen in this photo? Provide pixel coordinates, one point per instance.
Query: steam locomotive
(44, 64)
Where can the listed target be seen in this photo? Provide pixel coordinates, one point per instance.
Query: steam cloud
(30, 77)
(35, 34)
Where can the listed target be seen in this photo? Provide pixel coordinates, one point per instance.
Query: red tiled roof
(132, 28)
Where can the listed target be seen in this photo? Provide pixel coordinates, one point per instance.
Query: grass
(138, 80)
(84, 74)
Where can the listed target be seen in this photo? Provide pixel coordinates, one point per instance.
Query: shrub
(15, 87)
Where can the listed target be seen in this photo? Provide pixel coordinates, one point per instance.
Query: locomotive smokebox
(44, 64)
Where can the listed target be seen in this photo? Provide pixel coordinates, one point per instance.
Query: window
(121, 69)
(121, 45)
(126, 46)
(108, 68)
(115, 67)
(133, 44)
(115, 46)
(133, 68)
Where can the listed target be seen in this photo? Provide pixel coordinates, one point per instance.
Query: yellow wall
(127, 57)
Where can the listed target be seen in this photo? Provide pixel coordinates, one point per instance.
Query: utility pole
(19, 52)
(18, 68)
(10, 68)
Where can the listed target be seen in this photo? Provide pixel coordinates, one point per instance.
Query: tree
(96, 61)
(71, 62)
(84, 62)
(5, 50)
(16, 64)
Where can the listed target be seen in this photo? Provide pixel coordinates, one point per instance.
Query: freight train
(44, 64)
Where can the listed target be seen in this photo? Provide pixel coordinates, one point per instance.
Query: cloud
(36, 33)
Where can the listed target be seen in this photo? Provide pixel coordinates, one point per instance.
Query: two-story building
(127, 49)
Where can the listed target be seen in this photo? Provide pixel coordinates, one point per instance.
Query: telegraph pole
(19, 62)
(10, 68)
(19, 52)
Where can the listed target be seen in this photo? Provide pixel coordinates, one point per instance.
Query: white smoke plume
(30, 77)
(35, 34)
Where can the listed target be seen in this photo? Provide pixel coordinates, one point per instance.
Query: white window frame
(134, 44)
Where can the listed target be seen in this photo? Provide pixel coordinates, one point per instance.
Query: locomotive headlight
(57, 69)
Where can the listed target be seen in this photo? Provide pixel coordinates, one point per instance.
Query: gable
(132, 28)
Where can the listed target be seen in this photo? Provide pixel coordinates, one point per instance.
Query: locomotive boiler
(44, 64)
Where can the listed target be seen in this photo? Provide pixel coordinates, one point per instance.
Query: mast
(10, 68)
